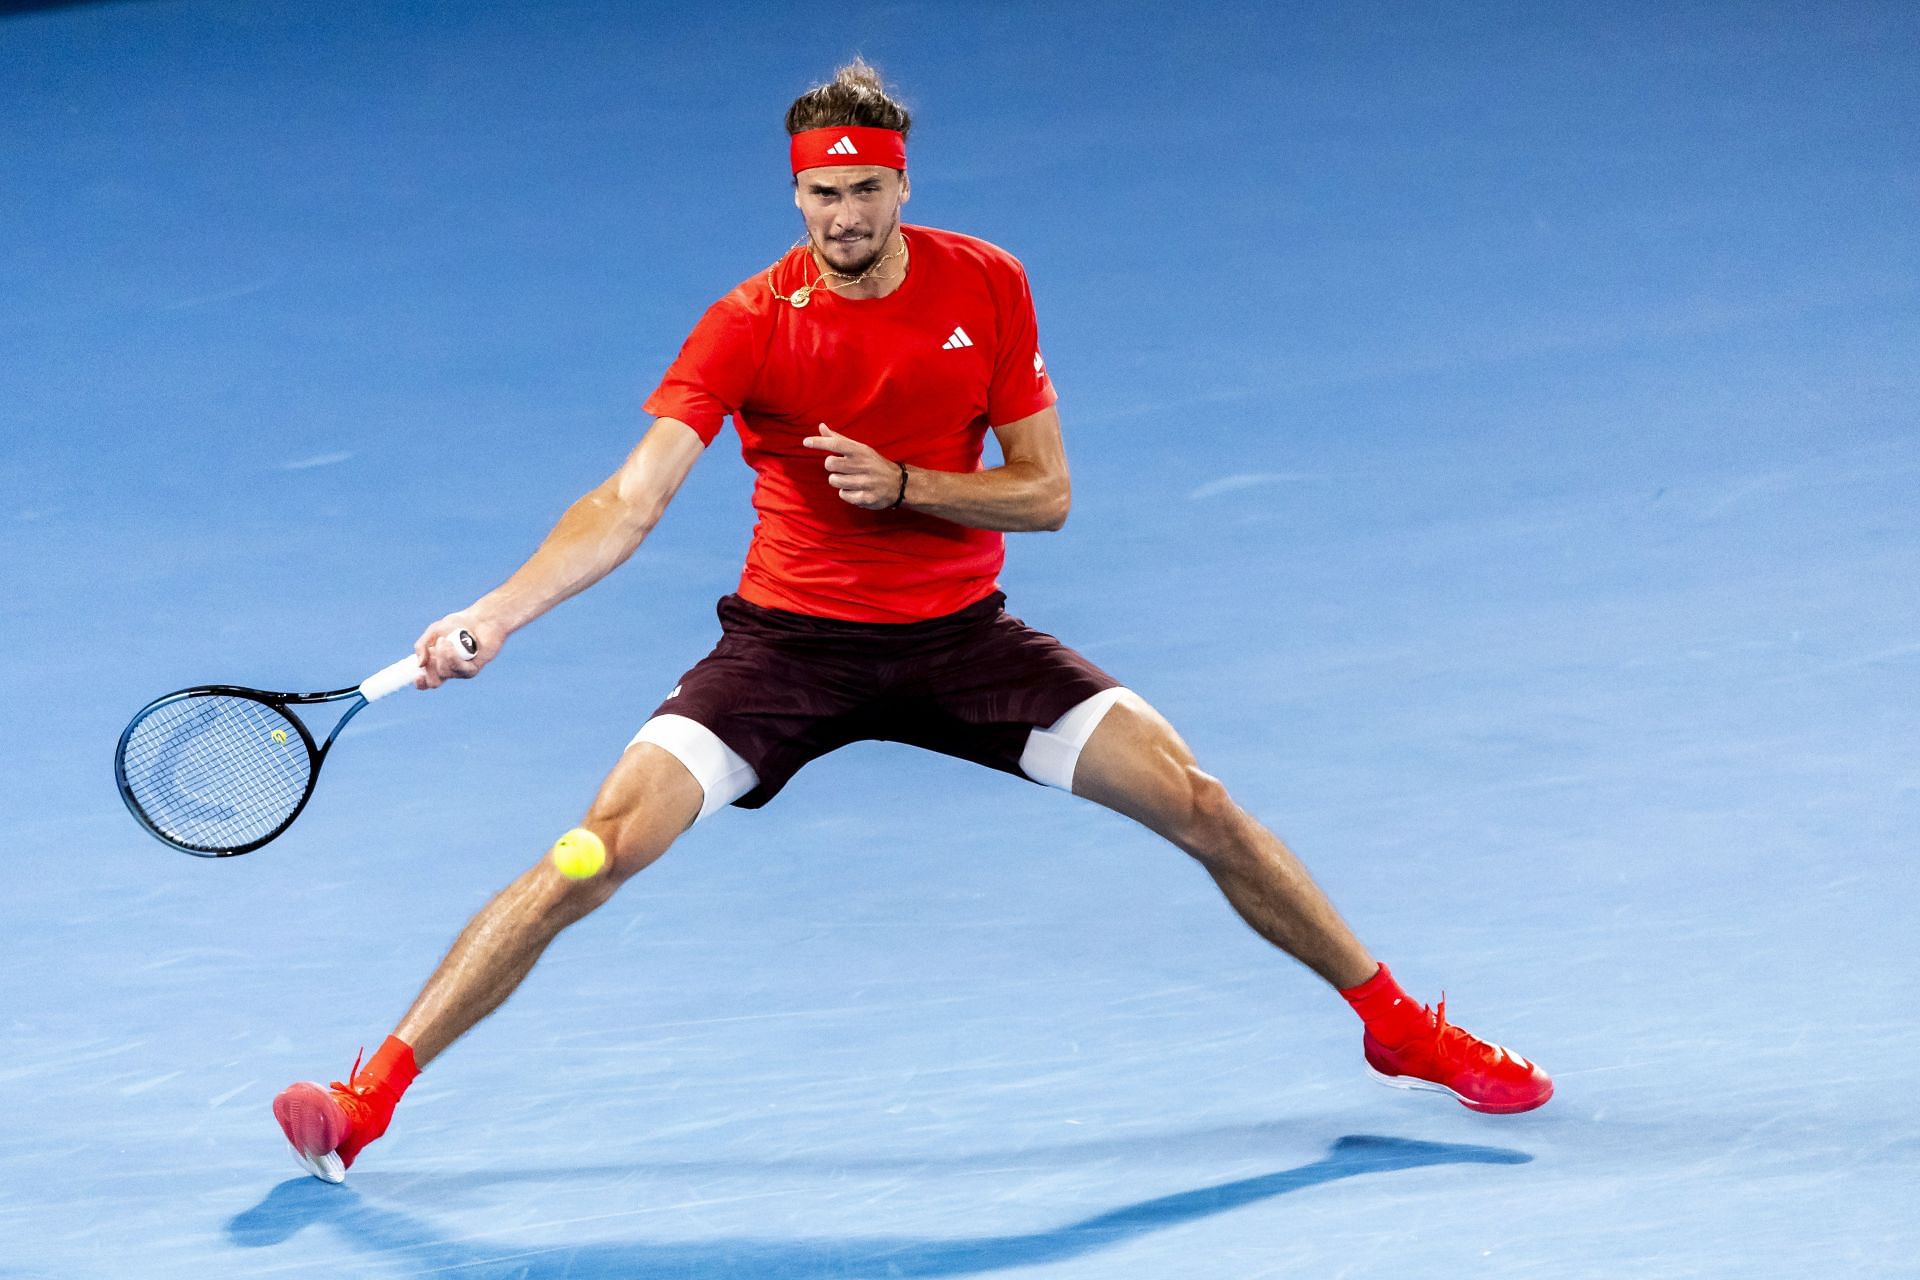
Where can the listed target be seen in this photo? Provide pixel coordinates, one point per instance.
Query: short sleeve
(713, 373)
(1020, 387)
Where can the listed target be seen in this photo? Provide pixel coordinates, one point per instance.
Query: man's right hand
(443, 658)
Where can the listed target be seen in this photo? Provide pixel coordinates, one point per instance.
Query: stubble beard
(865, 264)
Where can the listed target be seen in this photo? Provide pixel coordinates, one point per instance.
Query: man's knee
(1136, 764)
(645, 803)
(632, 841)
(1209, 820)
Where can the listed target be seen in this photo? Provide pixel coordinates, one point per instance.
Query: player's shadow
(298, 1203)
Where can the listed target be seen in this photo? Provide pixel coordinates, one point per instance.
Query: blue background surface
(1495, 448)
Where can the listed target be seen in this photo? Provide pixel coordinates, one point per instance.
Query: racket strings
(216, 772)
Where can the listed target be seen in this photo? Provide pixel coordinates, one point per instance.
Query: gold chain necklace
(804, 294)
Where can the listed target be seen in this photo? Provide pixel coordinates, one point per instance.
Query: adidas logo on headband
(844, 147)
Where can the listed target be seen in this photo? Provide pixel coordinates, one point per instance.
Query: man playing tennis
(863, 371)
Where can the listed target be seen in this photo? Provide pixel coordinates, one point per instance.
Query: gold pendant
(801, 295)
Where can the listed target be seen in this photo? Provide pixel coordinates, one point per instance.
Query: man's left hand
(862, 476)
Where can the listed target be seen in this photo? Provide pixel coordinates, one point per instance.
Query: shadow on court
(298, 1203)
(19, 8)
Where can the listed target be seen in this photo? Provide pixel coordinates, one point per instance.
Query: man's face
(850, 211)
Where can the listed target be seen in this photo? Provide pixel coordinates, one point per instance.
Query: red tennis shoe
(328, 1127)
(1445, 1059)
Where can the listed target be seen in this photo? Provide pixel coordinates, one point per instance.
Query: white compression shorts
(1050, 757)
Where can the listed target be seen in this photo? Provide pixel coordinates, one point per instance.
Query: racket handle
(402, 674)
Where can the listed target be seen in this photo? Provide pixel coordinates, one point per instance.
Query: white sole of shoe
(327, 1168)
(1415, 1084)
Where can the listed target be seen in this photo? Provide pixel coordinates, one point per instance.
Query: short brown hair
(855, 96)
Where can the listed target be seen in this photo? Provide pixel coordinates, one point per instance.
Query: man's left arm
(1027, 492)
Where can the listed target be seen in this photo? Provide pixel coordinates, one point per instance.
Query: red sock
(389, 1072)
(1391, 1015)
(378, 1087)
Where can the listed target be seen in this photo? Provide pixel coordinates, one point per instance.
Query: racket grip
(390, 679)
(402, 674)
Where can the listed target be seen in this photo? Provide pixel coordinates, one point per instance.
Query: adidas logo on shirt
(844, 147)
(957, 340)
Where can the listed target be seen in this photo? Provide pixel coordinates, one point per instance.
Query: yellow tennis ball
(579, 854)
(280, 736)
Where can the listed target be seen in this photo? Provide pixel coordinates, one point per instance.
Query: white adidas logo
(844, 147)
(958, 340)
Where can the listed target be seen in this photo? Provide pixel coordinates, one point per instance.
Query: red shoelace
(348, 1088)
(1454, 1046)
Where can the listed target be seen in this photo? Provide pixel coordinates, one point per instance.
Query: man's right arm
(592, 539)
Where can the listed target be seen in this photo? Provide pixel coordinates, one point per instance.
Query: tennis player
(863, 371)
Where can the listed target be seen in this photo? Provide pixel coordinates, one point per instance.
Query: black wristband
(903, 485)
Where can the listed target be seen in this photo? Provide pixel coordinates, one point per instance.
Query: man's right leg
(648, 799)
(645, 803)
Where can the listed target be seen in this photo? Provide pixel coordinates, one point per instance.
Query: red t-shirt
(919, 375)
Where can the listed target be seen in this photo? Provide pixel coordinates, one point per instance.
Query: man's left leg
(1135, 764)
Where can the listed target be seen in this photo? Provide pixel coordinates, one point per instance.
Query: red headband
(849, 145)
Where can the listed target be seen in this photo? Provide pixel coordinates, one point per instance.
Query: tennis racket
(219, 770)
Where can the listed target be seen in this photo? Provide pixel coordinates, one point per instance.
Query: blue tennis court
(1495, 448)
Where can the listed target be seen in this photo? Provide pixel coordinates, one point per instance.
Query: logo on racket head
(280, 736)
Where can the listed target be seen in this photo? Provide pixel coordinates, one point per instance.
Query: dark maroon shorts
(784, 688)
